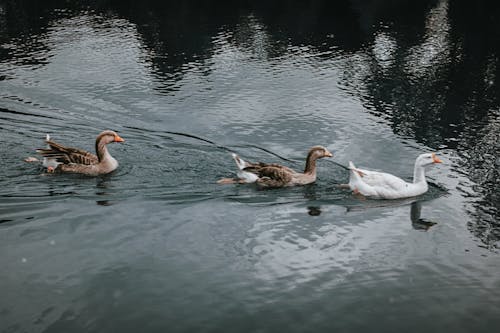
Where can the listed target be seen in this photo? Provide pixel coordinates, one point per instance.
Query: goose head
(427, 159)
(102, 140)
(315, 153)
(106, 137)
(318, 152)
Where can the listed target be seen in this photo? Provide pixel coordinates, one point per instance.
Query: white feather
(247, 177)
(49, 162)
(383, 185)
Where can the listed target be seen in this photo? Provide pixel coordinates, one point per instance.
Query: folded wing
(67, 155)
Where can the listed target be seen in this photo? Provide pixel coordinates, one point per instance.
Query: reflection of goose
(314, 210)
(382, 185)
(275, 175)
(417, 222)
(57, 157)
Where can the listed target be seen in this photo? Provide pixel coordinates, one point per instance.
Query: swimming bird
(276, 175)
(382, 185)
(57, 157)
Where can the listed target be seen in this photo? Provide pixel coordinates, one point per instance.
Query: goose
(380, 185)
(276, 175)
(57, 157)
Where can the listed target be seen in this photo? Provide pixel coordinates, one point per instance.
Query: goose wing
(382, 179)
(275, 176)
(66, 155)
(266, 170)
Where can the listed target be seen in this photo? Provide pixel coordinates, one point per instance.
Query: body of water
(159, 246)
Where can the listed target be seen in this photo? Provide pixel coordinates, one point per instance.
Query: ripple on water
(344, 236)
(159, 239)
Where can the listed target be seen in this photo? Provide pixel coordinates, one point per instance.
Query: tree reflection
(445, 90)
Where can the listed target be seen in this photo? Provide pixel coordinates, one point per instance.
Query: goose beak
(328, 154)
(436, 159)
(118, 139)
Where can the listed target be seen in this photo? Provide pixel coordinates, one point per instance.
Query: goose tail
(353, 173)
(239, 162)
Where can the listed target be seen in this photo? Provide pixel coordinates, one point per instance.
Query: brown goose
(275, 175)
(57, 157)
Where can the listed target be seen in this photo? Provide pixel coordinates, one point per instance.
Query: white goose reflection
(335, 243)
(417, 222)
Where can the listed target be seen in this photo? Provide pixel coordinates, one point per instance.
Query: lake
(159, 246)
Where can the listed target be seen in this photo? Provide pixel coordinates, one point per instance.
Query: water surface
(158, 246)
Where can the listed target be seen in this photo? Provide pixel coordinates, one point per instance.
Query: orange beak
(435, 159)
(118, 139)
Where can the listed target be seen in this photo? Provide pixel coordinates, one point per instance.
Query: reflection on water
(159, 245)
(102, 187)
(417, 222)
(314, 211)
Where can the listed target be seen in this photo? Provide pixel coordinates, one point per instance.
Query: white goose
(382, 185)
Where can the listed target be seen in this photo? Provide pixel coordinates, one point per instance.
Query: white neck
(419, 174)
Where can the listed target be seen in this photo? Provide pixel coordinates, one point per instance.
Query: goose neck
(310, 165)
(101, 150)
(419, 174)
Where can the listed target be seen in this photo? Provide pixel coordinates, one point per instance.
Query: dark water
(158, 246)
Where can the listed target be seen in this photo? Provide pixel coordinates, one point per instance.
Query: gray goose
(276, 175)
(57, 157)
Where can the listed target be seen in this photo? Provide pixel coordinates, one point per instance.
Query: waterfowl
(382, 185)
(276, 175)
(57, 157)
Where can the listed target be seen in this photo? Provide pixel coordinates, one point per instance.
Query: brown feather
(68, 155)
(275, 176)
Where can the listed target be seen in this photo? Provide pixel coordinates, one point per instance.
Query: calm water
(158, 246)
